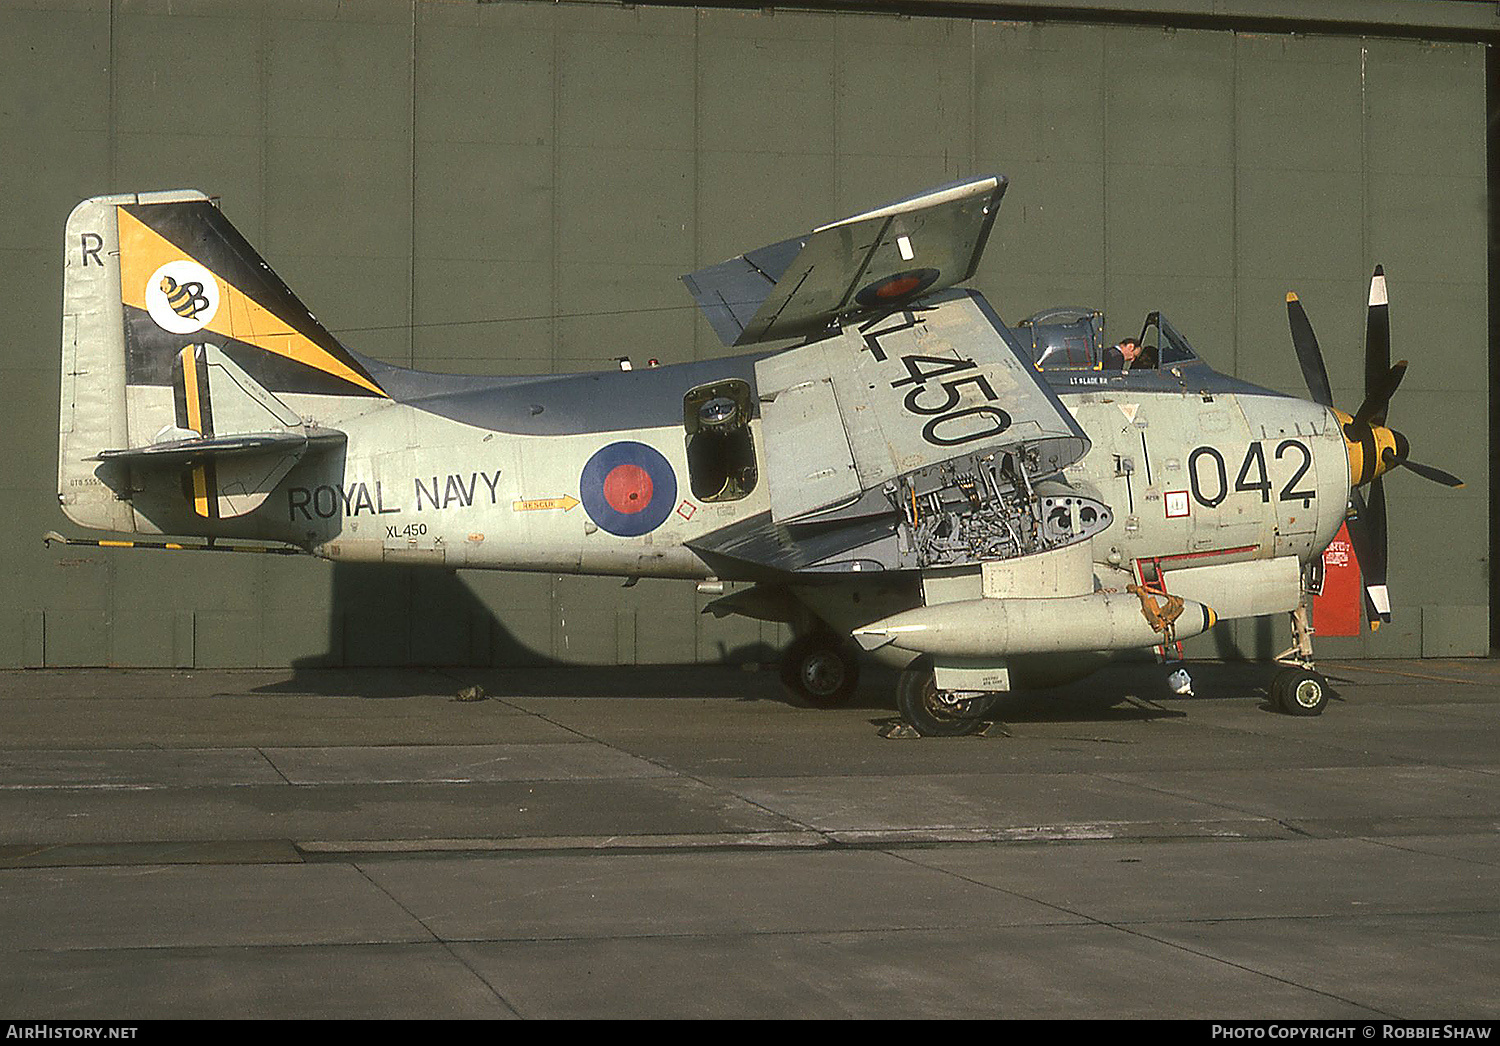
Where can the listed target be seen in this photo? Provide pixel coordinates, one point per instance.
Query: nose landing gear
(1298, 689)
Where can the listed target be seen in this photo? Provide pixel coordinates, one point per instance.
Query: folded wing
(867, 264)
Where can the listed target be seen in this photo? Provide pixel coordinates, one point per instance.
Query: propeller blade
(1367, 535)
(1358, 522)
(1437, 475)
(1377, 596)
(1308, 353)
(1373, 409)
(1377, 342)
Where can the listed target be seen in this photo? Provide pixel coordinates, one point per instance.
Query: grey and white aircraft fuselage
(962, 497)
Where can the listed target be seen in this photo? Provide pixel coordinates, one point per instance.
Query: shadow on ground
(421, 632)
(1118, 692)
(1138, 690)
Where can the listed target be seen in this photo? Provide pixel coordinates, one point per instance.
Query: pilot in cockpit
(1072, 339)
(1122, 354)
(1130, 354)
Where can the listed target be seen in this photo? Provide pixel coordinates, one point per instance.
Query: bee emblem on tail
(182, 296)
(185, 299)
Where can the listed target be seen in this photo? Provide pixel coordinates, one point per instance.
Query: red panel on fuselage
(1336, 611)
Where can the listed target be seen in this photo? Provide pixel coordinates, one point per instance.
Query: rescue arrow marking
(565, 503)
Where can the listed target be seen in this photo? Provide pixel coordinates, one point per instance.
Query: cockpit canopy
(1072, 338)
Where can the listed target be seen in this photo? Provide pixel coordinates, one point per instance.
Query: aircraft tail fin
(177, 337)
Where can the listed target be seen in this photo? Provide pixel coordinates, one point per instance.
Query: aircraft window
(1174, 348)
(1150, 342)
(720, 451)
(1065, 339)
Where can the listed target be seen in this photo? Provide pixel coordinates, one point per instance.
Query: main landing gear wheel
(821, 668)
(934, 712)
(1299, 691)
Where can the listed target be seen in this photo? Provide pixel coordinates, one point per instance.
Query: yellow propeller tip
(1291, 297)
(1374, 626)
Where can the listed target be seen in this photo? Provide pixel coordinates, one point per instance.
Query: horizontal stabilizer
(232, 439)
(870, 263)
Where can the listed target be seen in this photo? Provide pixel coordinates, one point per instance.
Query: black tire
(1299, 691)
(922, 704)
(821, 668)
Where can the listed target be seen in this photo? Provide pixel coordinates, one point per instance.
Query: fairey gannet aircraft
(979, 504)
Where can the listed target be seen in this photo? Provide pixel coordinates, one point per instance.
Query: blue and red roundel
(628, 488)
(896, 289)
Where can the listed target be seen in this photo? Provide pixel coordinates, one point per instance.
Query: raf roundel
(628, 488)
(897, 289)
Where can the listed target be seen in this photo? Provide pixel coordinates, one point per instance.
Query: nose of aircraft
(1373, 449)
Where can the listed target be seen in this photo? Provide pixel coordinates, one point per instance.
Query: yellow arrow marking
(565, 503)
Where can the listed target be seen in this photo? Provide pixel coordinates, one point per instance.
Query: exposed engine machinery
(984, 507)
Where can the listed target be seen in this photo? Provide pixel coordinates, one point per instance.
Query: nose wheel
(1298, 689)
(821, 668)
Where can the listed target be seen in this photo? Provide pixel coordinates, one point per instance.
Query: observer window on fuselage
(720, 449)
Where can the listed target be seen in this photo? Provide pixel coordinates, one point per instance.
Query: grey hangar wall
(515, 188)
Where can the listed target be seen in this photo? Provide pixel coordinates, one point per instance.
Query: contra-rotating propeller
(1374, 448)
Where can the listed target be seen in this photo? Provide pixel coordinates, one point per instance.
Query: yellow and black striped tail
(194, 411)
(187, 275)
